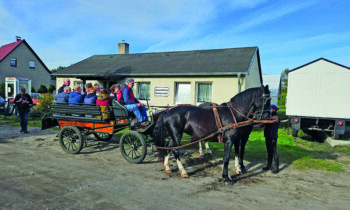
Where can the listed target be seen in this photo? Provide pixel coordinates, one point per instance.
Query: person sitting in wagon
(64, 96)
(91, 96)
(103, 100)
(127, 99)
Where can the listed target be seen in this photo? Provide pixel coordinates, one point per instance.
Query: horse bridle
(265, 97)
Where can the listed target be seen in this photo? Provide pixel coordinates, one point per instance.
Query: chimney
(18, 38)
(123, 48)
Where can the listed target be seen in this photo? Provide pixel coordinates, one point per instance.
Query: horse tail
(159, 135)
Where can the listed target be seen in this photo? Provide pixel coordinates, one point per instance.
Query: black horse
(199, 122)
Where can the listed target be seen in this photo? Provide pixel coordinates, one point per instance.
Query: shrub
(2, 89)
(301, 134)
(52, 88)
(44, 101)
(42, 89)
(33, 89)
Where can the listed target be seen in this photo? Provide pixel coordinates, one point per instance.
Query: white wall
(320, 89)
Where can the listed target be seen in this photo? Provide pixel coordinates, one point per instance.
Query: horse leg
(179, 164)
(176, 135)
(201, 150)
(207, 148)
(237, 160)
(241, 154)
(226, 159)
(166, 164)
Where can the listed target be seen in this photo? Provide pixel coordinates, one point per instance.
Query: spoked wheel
(103, 136)
(133, 147)
(71, 139)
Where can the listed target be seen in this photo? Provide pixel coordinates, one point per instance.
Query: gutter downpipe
(239, 82)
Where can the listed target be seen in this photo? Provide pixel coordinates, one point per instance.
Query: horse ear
(266, 89)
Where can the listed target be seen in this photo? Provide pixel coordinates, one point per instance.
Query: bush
(44, 101)
(2, 89)
(301, 134)
(33, 89)
(52, 88)
(42, 89)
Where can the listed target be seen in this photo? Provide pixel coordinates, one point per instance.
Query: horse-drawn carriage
(78, 121)
(232, 122)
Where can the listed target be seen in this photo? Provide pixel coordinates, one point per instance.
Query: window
(144, 90)
(79, 83)
(31, 64)
(13, 62)
(182, 93)
(204, 92)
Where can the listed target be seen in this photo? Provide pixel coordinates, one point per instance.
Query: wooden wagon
(77, 121)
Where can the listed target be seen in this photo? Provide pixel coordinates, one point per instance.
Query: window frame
(197, 92)
(138, 90)
(33, 62)
(176, 93)
(15, 62)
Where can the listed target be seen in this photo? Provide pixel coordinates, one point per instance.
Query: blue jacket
(62, 97)
(126, 96)
(75, 97)
(61, 89)
(90, 98)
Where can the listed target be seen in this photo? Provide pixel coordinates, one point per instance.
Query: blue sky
(288, 33)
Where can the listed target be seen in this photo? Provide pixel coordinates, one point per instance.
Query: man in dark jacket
(126, 97)
(23, 102)
(66, 82)
(271, 135)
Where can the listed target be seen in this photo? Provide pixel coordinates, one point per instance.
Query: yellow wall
(223, 88)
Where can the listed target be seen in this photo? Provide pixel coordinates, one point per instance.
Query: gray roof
(228, 61)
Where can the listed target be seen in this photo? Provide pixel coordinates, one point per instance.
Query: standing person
(114, 91)
(126, 97)
(23, 102)
(63, 97)
(66, 82)
(271, 135)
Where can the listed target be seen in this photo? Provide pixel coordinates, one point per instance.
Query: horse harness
(223, 129)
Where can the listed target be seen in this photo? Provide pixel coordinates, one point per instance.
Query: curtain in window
(144, 92)
(204, 92)
(183, 93)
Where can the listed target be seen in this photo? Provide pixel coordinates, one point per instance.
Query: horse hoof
(184, 175)
(168, 171)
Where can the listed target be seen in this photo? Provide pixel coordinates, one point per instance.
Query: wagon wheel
(103, 136)
(71, 139)
(133, 147)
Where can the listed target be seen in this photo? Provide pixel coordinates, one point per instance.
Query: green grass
(13, 121)
(299, 153)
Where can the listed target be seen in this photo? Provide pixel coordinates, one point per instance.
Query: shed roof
(317, 61)
(228, 61)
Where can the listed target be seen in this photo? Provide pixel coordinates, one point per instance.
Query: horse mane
(243, 99)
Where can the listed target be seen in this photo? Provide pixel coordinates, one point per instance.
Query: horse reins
(222, 129)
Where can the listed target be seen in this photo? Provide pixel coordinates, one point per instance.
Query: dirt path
(36, 174)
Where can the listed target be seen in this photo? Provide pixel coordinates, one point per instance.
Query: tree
(57, 69)
(52, 88)
(42, 89)
(33, 89)
(284, 88)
